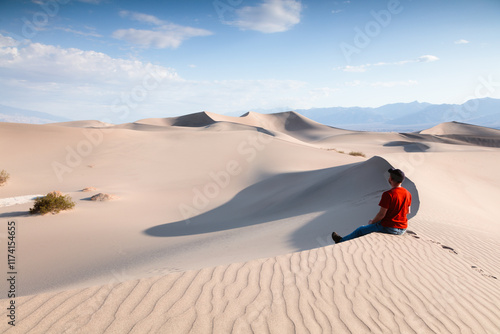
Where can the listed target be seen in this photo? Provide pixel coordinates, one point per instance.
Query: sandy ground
(222, 224)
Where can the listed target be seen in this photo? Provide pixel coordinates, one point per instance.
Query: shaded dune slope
(289, 195)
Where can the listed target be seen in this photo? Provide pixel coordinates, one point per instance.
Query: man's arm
(379, 216)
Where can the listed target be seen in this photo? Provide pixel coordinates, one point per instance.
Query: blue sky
(121, 61)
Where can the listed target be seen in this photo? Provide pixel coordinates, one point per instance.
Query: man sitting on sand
(394, 206)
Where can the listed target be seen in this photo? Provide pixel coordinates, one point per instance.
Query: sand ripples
(376, 284)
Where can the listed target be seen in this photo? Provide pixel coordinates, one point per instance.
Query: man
(391, 218)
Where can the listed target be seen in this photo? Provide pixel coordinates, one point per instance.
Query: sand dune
(457, 128)
(466, 133)
(290, 123)
(222, 224)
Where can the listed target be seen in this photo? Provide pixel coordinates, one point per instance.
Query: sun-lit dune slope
(377, 284)
(222, 224)
(457, 128)
(467, 133)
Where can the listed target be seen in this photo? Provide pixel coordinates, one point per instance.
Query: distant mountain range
(408, 116)
(17, 115)
(401, 117)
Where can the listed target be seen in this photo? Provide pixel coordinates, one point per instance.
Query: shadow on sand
(338, 192)
(15, 214)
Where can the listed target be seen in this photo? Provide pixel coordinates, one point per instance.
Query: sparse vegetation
(333, 149)
(53, 202)
(353, 153)
(4, 176)
(357, 154)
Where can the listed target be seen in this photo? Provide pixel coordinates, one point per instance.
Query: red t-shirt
(397, 201)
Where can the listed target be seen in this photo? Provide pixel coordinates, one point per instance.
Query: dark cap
(397, 174)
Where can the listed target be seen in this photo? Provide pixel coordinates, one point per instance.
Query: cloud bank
(82, 84)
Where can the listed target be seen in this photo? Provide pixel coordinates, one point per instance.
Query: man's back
(397, 201)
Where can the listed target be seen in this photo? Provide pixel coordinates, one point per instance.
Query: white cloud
(385, 84)
(141, 17)
(6, 41)
(364, 67)
(462, 41)
(358, 69)
(427, 59)
(164, 35)
(269, 17)
(169, 36)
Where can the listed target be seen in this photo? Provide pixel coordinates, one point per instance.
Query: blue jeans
(367, 229)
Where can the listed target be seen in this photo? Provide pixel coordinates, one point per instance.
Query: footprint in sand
(450, 249)
(413, 234)
(482, 272)
(453, 251)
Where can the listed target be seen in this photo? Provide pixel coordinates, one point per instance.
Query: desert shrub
(4, 176)
(52, 202)
(357, 154)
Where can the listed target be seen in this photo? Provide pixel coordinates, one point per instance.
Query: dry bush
(53, 202)
(357, 154)
(4, 176)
